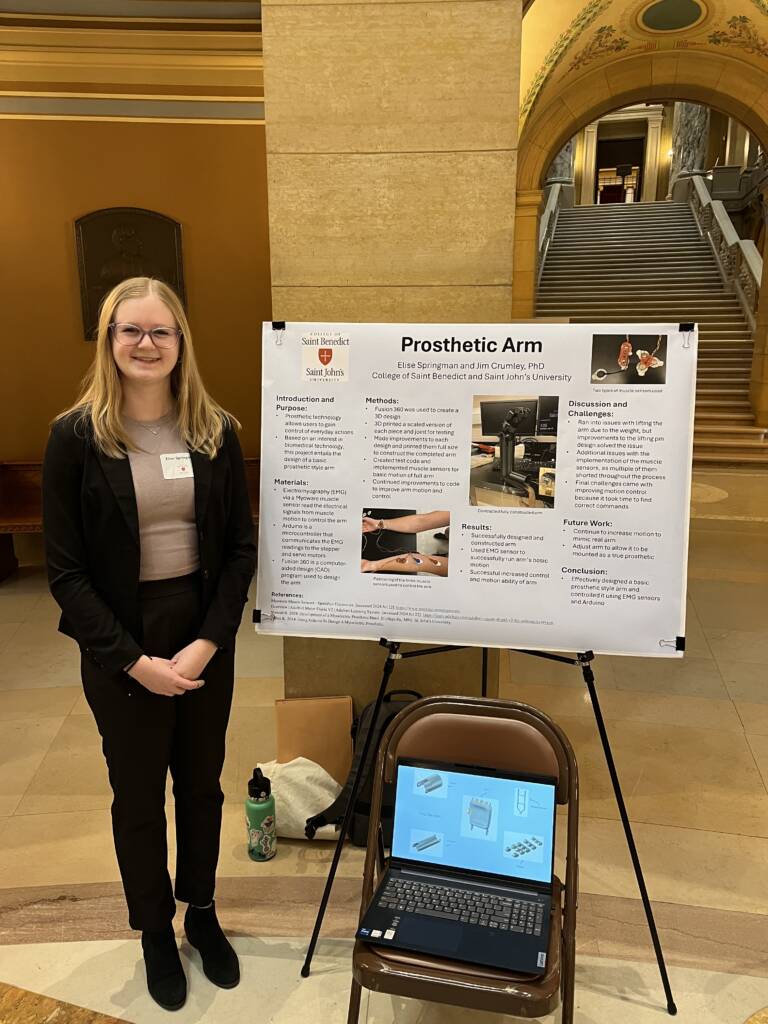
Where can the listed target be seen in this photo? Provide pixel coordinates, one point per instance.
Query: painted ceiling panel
(564, 39)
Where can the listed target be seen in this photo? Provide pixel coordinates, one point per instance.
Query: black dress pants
(143, 735)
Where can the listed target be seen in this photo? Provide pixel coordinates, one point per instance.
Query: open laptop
(470, 876)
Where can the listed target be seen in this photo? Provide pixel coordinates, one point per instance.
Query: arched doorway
(642, 77)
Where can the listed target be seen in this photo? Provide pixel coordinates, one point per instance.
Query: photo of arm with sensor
(408, 524)
(411, 562)
(405, 542)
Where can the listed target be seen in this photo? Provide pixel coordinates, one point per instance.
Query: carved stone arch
(645, 77)
(712, 78)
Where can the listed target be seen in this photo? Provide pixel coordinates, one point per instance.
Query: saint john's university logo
(325, 356)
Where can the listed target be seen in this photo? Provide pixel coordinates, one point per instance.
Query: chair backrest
(485, 733)
(488, 734)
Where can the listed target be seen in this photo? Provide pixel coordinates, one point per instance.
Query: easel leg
(589, 679)
(389, 665)
(484, 690)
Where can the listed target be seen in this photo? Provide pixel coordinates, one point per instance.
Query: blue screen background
(478, 822)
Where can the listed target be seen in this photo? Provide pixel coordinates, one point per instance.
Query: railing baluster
(739, 261)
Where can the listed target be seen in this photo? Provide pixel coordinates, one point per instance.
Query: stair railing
(738, 259)
(548, 223)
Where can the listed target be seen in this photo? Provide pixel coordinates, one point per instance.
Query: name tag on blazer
(176, 466)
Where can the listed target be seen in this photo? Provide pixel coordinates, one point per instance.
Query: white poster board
(501, 485)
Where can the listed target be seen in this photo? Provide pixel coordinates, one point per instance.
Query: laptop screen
(474, 819)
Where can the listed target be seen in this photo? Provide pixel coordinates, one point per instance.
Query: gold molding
(116, 39)
(254, 97)
(135, 22)
(129, 120)
(88, 107)
(143, 63)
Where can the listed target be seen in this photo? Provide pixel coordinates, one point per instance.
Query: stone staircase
(647, 262)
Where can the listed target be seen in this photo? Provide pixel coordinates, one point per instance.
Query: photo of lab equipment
(513, 451)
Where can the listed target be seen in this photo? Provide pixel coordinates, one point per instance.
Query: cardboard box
(318, 728)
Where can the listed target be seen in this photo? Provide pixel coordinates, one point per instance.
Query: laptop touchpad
(439, 936)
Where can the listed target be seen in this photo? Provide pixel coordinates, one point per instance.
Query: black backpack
(333, 815)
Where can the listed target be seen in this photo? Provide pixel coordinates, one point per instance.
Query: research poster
(501, 485)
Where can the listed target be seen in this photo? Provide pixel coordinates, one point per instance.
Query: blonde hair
(201, 421)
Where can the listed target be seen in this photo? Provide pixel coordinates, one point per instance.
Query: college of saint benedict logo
(325, 356)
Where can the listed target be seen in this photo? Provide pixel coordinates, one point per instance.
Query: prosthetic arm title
(454, 344)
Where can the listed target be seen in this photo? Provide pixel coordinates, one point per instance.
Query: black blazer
(91, 528)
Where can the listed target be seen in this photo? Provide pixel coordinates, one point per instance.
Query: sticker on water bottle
(262, 841)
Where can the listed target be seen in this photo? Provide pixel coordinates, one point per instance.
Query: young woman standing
(149, 544)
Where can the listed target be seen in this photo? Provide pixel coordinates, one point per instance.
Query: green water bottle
(260, 818)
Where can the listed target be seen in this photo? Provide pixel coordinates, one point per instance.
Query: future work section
(500, 485)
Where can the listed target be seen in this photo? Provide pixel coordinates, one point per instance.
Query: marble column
(651, 161)
(753, 149)
(561, 168)
(391, 151)
(561, 172)
(690, 139)
(736, 145)
(578, 165)
(529, 205)
(589, 168)
(758, 391)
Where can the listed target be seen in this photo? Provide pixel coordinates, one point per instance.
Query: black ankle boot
(165, 976)
(220, 963)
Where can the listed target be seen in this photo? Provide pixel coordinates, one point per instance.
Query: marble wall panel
(444, 303)
(392, 219)
(406, 77)
(392, 150)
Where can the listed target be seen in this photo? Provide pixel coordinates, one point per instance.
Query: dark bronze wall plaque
(124, 242)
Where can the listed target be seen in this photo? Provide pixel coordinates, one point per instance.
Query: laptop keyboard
(506, 913)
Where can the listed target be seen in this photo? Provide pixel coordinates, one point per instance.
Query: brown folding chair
(488, 734)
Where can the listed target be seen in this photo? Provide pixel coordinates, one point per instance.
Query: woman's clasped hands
(174, 676)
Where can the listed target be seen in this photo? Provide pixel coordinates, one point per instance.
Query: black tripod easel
(584, 661)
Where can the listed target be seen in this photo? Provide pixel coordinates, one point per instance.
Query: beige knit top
(165, 498)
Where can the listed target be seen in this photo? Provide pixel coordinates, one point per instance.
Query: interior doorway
(619, 170)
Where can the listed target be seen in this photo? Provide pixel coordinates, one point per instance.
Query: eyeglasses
(131, 334)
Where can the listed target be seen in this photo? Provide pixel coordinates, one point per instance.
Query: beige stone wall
(392, 145)
(226, 262)
(392, 152)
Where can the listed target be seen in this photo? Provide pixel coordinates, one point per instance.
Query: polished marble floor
(619, 992)
(691, 743)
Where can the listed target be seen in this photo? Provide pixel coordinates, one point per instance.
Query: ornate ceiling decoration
(671, 15)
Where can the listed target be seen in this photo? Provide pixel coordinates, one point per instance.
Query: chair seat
(404, 973)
